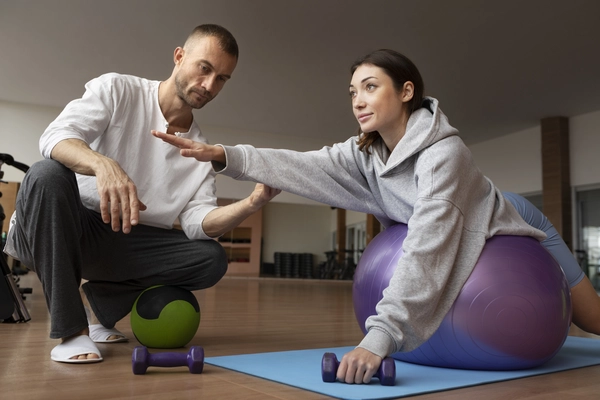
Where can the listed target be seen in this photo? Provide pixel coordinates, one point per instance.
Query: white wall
(514, 162)
(585, 149)
(20, 130)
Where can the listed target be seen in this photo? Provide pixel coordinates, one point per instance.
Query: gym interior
(291, 265)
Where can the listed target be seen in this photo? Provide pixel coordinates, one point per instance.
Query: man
(111, 224)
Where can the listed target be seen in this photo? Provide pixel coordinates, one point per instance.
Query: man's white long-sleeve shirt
(115, 117)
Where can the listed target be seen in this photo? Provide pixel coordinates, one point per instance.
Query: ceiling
(497, 67)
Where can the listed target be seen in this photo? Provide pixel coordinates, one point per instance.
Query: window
(588, 221)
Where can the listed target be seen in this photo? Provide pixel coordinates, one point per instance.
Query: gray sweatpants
(63, 242)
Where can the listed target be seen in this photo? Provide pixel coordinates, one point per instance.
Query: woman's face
(376, 103)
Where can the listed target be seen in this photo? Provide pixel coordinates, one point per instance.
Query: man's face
(203, 70)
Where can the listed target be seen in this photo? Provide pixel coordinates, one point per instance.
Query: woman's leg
(586, 306)
(584, 299)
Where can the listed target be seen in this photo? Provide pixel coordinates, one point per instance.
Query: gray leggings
(553, 243)
(63, 242)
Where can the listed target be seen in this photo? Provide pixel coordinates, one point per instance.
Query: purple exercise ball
(513, 312)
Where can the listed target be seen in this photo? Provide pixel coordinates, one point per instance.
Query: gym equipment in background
(12, 305)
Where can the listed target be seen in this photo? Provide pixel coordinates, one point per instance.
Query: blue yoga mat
(302, 369)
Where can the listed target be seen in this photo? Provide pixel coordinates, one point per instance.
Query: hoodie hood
(426, 126)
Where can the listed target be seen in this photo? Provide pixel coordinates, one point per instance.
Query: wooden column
(373, 227)
(8, 200)
(341, 235)
(556, 175)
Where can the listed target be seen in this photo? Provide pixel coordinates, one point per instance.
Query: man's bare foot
(88, 356)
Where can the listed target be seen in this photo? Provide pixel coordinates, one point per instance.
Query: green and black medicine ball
(165, 317)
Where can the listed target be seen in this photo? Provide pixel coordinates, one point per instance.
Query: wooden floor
(238, 316)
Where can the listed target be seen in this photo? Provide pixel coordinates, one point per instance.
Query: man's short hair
(225, 39)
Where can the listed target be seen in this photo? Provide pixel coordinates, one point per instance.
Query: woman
(406, 165)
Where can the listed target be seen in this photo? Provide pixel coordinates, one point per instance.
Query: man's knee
(48, 173)
(202, 265)
(218, 268)
(47, 167)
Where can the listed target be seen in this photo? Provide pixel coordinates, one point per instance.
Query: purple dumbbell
(386, 372)
(142, 359)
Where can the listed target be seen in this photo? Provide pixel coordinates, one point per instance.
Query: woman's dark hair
(401, 70)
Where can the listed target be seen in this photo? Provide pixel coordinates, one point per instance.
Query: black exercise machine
(12, 305)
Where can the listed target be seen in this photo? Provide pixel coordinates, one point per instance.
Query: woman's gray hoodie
(430, 182)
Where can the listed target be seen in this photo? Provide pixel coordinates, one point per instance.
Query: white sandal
(75, 346)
